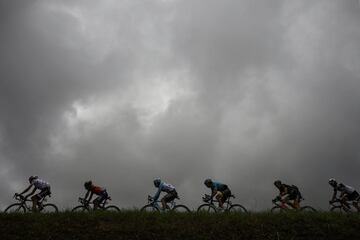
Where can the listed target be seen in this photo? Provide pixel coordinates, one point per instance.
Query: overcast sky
(121, 92)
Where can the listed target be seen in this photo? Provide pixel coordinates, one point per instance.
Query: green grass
(136, 225)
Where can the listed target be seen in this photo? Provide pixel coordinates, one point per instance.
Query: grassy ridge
(136, 225)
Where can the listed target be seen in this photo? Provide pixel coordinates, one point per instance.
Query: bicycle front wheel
(237, 208)
(112, 208)
(206, 208)
(338, 209)
(80, 208)
(307, 209)
(181, 208)
(149, 208)
(15, 208)
(49, 208)
(277, 209)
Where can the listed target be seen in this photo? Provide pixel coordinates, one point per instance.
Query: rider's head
(277, 183)
(208, 182)
(88, 185)
(157, 182)
(32, 178)
(332, 182)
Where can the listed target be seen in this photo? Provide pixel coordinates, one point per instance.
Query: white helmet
(332, 182)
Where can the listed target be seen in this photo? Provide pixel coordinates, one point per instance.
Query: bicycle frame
(211, 201)
(156, 204)
(337, 203)
(87, 203)
(23, 202)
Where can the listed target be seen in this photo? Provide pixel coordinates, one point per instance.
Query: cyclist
(38, 184)
(170, 190)
(99, 191)
(218, 190)
(347, 193)
(288, 193)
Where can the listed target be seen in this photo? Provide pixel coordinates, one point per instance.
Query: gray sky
(120, 92)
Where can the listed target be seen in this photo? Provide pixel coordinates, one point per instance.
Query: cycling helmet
(32, 178)
(208, 182)
(157, 182)
(88, 184)
(277, 183)
(332, 182)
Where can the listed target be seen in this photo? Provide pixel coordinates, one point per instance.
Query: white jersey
(40, 184)
(347, 189)
(166, 187)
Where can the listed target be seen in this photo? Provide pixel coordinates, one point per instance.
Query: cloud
(121, 93)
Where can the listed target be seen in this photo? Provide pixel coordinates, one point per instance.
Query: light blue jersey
(163, 187)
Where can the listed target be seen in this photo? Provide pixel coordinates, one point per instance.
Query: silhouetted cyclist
(38, 184)
(288, 193)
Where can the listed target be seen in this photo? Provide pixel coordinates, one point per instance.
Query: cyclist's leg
(287, 200)
(35, 200)
(97, 202)
(354, 197)
(219, 195)
(226, 194)
(168, 198)
(344, 201)
(297, 199)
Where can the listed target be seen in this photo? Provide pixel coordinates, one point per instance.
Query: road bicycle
(338, 206)
(86, 206)
(22, 206)
(281, 206)
(209, 206)
(153, 206)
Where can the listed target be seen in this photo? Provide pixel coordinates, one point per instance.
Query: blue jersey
(163, 187)
(217, 186)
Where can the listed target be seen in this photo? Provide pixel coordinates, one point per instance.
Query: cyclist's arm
(156, 196)
(86, 195)
(32, 192)
(27, 189)
(343, 195)
(213, 193)
(334, 195)
(285, 192)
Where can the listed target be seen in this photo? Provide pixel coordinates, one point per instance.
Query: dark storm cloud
(242, 91)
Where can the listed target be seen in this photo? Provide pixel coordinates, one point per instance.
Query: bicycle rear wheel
(149, 208)
(307, 209)
(112, 208)
(237, 208)
(180, 208)
(80, 208)
(49, 208)
(15, 208)
(206, 208)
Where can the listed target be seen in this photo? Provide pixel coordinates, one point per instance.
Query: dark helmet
(332, 182)
(208, 182)
(88, 185)
(157, 182)
(277, 183)
(32, 178)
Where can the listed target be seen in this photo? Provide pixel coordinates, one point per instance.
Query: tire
(49, 208)
(112, 208)
(149, 208)
(307, 209)
(180, 208)
(277, 209)
(15, 208)
(237, 208)
(206, 208)
(80, 208)
(337, 209)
